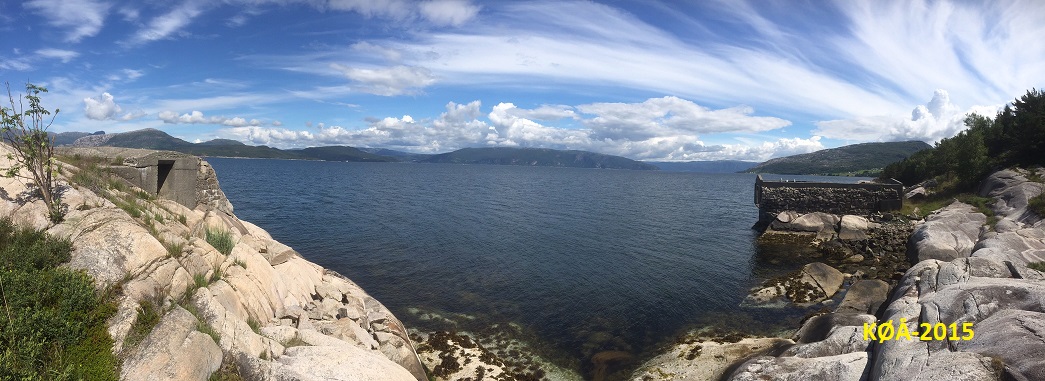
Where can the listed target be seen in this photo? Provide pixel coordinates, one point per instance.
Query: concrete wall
(185, 179)
(773, 197)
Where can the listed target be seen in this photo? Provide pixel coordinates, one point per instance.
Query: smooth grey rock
(1016, 337)
(174, 350)
(825, 277)
(819, 328)
(847, 367)
(949, 234)
(854, 227)
(864, 296)
(840, 340)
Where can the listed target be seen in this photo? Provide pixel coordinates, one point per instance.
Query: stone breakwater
(259, 310)
(967, 274)
(775, 197)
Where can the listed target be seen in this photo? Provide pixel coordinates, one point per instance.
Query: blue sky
(647, 80)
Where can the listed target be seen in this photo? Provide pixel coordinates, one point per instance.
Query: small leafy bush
(221, 240)
(52, 322)
(1040, 266)
(1037, 205)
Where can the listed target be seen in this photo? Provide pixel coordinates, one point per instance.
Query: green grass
(220, 240)
(1037, 205)
(200, 280)
(982, 205)
(148, 316)
(52, 321)
(182, 219)
(1040, 266)
(215, 275)
(240, 263)
(174, 249)
(254, 325)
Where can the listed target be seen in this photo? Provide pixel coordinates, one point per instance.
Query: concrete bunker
(165, 174)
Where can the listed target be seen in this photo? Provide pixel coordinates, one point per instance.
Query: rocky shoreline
(256, 309)
(967, 273)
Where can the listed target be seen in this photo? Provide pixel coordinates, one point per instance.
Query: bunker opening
(164, 168)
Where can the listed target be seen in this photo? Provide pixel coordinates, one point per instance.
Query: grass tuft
(220, 240)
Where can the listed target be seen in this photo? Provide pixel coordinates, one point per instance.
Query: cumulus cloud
(101, 108)
(396, 80)
(935, 120)
(81, 18)
(448, 12)
(197, 117)
(658, 129)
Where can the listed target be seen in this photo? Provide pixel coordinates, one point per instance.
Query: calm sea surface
(582, 259)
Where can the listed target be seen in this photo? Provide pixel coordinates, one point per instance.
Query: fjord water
(584, 259)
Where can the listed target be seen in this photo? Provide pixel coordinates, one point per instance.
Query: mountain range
(864, 159)
(859, 159)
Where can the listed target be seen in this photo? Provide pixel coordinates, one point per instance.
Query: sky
(647, 80)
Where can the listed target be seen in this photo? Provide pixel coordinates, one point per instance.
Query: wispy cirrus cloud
(168, 24)
(80, 19)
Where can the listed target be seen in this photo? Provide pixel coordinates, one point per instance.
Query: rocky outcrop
(260, 308)
(982, 280)
(811, 284)
(971, 288)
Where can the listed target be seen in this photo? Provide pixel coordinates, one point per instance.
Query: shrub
(52, 325)
(26, 131)
(1037, 205)
(221, 240)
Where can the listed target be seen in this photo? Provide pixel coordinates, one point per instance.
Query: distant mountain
(341, 153)
(865, 159)
(155, 139)
(67, 138)
(536, 157)
(403, 156)
(221, 142)
(713, 166)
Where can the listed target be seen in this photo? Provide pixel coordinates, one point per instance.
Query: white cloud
(937, 119)
(388, 54)
(671, 116)
(546, 112)
(101, 108)
(163, 26)
(396, 80)
(448, 12)
(60, 54)
(197, 117)
(657, 129)
(83, 18)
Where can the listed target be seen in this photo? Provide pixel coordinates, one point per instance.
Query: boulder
(854, 227)
(864, 296)
(174, 350)
(704, 359)
(850, 366)
(950, 233)
(824, 277)
(819, 327)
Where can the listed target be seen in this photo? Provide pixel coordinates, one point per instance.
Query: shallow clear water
(585, 260)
